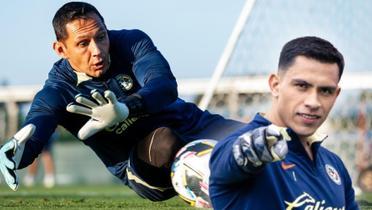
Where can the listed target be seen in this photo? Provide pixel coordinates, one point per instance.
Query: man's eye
(326, 91)
(101, 37)
(301, 85)
(83, 44)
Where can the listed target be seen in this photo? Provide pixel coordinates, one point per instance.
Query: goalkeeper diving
(113, 90)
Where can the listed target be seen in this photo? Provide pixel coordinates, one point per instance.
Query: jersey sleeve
(152, 71)
(44, 113)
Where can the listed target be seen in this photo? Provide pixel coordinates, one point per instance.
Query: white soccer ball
(190, 172)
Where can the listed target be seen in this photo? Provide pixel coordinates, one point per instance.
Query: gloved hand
(11, 154)
(103, 113)
(261, 145)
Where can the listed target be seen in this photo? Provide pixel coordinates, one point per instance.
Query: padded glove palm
(11, 154)
(103, 113)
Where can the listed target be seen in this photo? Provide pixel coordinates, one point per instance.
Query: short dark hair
(310, 47)
(69, 12)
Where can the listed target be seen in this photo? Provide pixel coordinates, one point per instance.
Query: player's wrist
(135, 105)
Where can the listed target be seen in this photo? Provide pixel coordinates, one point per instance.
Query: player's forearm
(44, 128)
(33, 148)
(159, 86)
(31, 151)
(152, 98)
(224, 167)
(158, 93)
(245, 154)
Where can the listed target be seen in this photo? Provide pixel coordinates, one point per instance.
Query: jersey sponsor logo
(333, 174)
(286, 166)
(125, 81)
(306, 201)
(122, 126)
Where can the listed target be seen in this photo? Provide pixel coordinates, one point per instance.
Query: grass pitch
(95, 197)
(81, 197)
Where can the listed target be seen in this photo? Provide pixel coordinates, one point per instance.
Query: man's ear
(60, 49)
(338, 90)
(274, 81)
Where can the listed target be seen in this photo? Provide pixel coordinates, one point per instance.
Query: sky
(190, 34)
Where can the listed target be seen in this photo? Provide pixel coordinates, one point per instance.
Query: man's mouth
(309, 116)
(98, 65)
(309, 119)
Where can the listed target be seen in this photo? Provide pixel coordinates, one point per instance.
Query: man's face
(304, 95)
(86, 46)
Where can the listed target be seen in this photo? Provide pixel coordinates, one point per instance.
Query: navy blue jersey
(297, 182)
(136, 67)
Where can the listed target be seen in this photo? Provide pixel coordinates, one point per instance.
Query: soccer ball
(190, 172)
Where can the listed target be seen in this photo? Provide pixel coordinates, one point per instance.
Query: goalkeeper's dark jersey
(137, 67)
(297, 182)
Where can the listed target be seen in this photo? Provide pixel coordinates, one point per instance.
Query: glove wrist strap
(135, 105)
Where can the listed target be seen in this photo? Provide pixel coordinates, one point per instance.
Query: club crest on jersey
(125, 81)
(333, 174)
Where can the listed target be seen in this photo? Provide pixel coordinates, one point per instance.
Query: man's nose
(96, 51)
(312, 100)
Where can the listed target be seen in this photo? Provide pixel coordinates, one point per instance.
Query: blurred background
(221, 53)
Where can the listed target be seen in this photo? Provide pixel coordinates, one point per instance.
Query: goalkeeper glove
(103, 113)
(11, 154)
(259, 146)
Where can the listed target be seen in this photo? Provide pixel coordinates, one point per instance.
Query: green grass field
(81, 197)
(93, 197)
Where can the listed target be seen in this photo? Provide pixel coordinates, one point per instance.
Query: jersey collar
(317, 137)
(293, 141)
(82, 77)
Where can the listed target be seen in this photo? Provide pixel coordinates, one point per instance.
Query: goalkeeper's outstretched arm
(245, 153)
